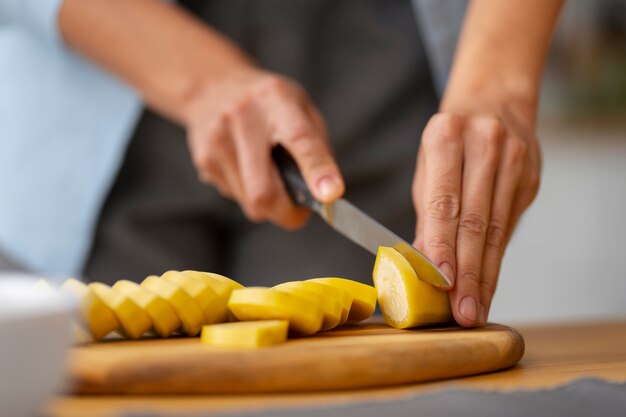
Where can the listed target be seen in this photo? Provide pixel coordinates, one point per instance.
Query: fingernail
(482, 314)
(446, 268)
(328, 188)
(469, 309)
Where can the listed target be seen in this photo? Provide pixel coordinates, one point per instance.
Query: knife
(353, 223)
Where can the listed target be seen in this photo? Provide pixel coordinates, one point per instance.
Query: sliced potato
(404, 300)
(331, 307)
(256, 303)
(212, 305)
(134, 322)
(220, 284)
(186, 308)
(364, 303)
(164, 317)
(234, 285)
(95, 316)
(339, 294)
(245, 334)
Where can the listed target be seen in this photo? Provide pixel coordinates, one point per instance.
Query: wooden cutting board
(357, 356)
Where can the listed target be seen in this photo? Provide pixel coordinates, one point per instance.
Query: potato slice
(331, 307)
(212, 305)
(364, 303)
(95, 316)
(221, 288)
(164, 318)
(234, 285)
(133, 320)
(185, 307)
(257, 303)
(405, 301)
(221, 285)
(339, 294)
(245, 334)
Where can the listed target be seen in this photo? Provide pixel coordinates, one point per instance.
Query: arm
(233, 111)
(479, 161)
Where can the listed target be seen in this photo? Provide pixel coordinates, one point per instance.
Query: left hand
(476, 174)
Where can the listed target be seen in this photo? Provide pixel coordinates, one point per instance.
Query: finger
(505, 190)
(265, 197)
(310, 149)
(214, 158)
(483, 145)
(525, 196)
(418, 192)
(438, 204)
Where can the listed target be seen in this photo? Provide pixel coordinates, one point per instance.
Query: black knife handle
(294, 183)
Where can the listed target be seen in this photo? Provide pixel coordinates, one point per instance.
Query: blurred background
(567, 260)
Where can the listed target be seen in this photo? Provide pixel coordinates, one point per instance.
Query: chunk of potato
(212, 305)
(364, 302)
(134, 322)
(330, 306)
(404, 300)
(245, 334)
(164, 319)
(186, 308)
(341, 295)
(95, 316)
(257, 303)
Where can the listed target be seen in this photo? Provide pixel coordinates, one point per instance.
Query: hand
(232, 125)
(475, 176)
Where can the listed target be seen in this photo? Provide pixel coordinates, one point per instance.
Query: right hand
(232, 125)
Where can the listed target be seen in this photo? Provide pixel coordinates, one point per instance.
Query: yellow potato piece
(164, 318)
(96, 317)
(234, 285)
(330, 306)
(212, 305)
(221, 288)
(220, 284)
(245, 334)
(185, 307)
(133, 320)
(404, 300)
(256, 303)
(364, 303)
(341, 295)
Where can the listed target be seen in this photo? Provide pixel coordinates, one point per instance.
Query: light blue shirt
(65, 125)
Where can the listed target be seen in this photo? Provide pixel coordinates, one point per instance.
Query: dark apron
(363, 65)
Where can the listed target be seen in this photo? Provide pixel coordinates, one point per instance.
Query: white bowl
(35, 334)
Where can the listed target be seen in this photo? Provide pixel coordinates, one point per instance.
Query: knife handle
(294, 182)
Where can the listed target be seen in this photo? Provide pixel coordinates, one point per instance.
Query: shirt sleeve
(38, 16)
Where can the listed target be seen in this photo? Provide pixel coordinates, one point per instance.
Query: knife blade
(353, 223)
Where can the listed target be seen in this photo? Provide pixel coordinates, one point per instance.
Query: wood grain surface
(555, 354)
(369, 355)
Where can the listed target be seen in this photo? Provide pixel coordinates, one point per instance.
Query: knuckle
(300, 134)
(491, 130)
(496, 235)
(236, 109)
(203, 160)
(441, 244)
(470, 278)
(443, 128)
(252, 213)
(518, 151)
(444, 207)
(473, 225)
(274, 84)
(262, 197)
